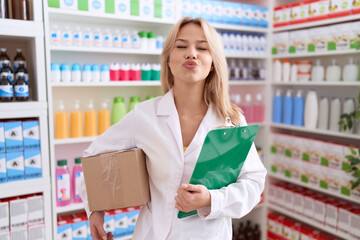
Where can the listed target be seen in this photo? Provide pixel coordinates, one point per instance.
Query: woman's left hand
(191, 197)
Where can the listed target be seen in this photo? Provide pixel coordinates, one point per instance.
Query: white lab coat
(154, 127)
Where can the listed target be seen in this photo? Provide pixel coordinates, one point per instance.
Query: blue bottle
(288, 108)
(277, 107)
(299, 109)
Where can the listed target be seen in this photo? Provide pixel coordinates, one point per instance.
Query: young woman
(171, 130)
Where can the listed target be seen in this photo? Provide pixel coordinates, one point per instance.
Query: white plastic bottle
(55, 72)
(311, 110)
(349, 107)
(317, 72)
(65, 72)
(335, 114)
(126, 39)
(95, 73)
(293, 72)
(76, 72)
(244, 43)
(77, 37)
(135, 43)
(226, 40)
(98, 38)
(117, 39)
(232, 47)
(277, 71)
(250, 44)
(333, 72)
(323, 113)
(351, 71)
(55, 37)
(238, 40)
(66, 36)
(108, 39)
(256, 45)
(286, 70)
(88, 37)
(262, 44)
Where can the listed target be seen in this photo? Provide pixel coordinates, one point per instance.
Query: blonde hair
(216, 89)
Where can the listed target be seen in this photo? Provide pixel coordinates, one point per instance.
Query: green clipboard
(222, 157)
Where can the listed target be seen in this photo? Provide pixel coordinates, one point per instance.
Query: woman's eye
(180, 46)
(202, 49)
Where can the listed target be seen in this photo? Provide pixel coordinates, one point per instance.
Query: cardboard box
(36, 232)
(32, 161)
(3, 175)
(5, 235)
(15, 166)
(2, 138)
(4, 216)
(116, 180)
(18, 213)
(13, 136)
(64, 230)
(31, 134)
(17, 234)
(121, 223)
(35, 210)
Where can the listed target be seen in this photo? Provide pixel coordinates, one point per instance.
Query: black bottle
(257, 233)
(6, 70)
(21, 89)
(4, 8)
(3, 57)
(18, 59)
(21, 71)
(6, 89)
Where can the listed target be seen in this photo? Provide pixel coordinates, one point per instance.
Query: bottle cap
(248, 98)
(95, 67)
(156, 67)
(145, 66)
(259, 97)
(18, 50)
(151, 35)
(114, 66)
(76, 67)
(55, 67)
(142, 34)
(286, 61)
(299, 93)
(105, 68)
(91, 104)
(3, 50)
(61, 105)
(294, 62)
(65, 67)
(135, 99)
(104, 105)
(149, 97)
(288, 93)
(62, 162)
(77, 160)
(86, 67)
(135, 66)
(125, 66)
(118, 99)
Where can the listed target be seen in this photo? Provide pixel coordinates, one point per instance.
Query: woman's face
(190, 60)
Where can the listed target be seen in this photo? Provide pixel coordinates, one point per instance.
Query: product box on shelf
(15, 166)
(5, 235)
(295, 146)
(332, 213)
(133, 214)
(79, 226)
(31, 135)
(18, 213)
(134, 8)
(2, 138)
(355, 223)
(121, 223)
(320, 208)
(36, 232)
(186, 8)
(13, 136)
(228, 11)
(256, 16)
(355, 26)
(248, 12)
(275, 223)
(319, 38)
(3, 175)
(344, 218)
(206, 10)
(64, 228)
(109, 222)
(168, 13)
(32, 161)
(4, 216)
(311, 161)
(287, 163)
(35, 209)
(346, 177)
(282, 15)
(331, 166)
(97, 6)
(69, 5)
(299, 201)
(291, 229)
(318, 9)
(147, 8)
(280, 189)
(238, 13)
(272, 193)
(19, 233)
(299, 12)
(281, 43)
(196, 8)
(356, 7)
(289, 198)
(298, 41)
(122, 7)
(309, 203)
(340, 8)
(340, 36)
(264, 21)
(132, 189)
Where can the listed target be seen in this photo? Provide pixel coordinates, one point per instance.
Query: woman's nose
(191, 53)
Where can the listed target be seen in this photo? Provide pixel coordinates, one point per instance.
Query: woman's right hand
(97, 227)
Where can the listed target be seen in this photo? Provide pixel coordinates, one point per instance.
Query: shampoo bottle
(335, 114)
(90, 121)
(104, 118)
(298, 118)
(333, 72)
(351, 72)
(76, 121)
(288, 108)
(349, 107)
(323, 113)
(61, 122)
(118, 110)
(77, 174)
(63, 190)
(311, 110)
(317, 72)
(277, 107)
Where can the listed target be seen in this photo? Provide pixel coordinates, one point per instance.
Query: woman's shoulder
(148, 106)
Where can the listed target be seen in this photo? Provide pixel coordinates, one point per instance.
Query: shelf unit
(309, 222)
(319, 84)
(29, 36)
(318, 54)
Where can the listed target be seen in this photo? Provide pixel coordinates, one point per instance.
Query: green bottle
(133, 101)
(150, 97)
(118, 110)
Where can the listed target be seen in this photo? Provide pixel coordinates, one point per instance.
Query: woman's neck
(190, 99)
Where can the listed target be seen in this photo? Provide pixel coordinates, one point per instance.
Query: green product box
(292, 49)
(311, 48)
(134, 8)
(274, 51)
(110, 6)
(83, 5)
(54, 3)
(158, 11)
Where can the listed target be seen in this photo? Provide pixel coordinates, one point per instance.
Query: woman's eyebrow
(183, 40)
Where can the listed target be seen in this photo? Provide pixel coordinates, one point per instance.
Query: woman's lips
(190, 64)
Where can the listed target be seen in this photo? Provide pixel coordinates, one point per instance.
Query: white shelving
(22, 106)
(318, 23)
(320, 84)
(309, 222)
(317, 54)
(245, 56)
(73, 140)
(108, 84)
(20, 28)
(316, 131)
(103, 50)
(318, 189)
(247, 82)
(74, 207)
(23, 187)
(240, 28)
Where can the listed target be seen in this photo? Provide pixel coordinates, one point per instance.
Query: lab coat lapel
(167, 107)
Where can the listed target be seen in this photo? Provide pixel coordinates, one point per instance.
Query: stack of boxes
(120, 222)
(22, 218)
(20, 156)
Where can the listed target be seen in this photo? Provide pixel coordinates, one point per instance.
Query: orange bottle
(61, 122)
(90, 121)
(104, 118)
(76, 122)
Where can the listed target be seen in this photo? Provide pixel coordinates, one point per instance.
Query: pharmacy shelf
(316, 131)
(108, 84)
(318, 54)
(240, 28)
(56, 14)
(241, 56)
(103, 50)
(20, 106)
(246, 82)
(23, 187)
(74, 207)
(20, 28)
(318, 23)
(124, 238)
(309, 222)
(318, 189)
(73, 140)
(320, 84)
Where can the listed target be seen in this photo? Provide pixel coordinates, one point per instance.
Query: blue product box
(121, 224)
(88, 231)
(31, 135)
(196, 8)
(32, 161)
(15, 166)
(217, 11)
(186, 8)
(207, 10)
(64, 230)
(2, 138)
(13, 136)
(228, 12)
(264, 17)
(238, 13)
(109, 223)
(132, 218)
(3, 177)
(256, 17)
(79, 230)
(247, 15)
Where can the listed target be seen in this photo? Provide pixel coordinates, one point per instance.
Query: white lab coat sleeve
(120, 136)
(239, 198)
